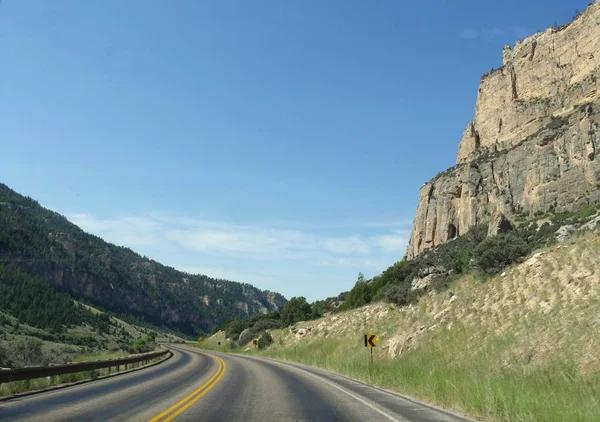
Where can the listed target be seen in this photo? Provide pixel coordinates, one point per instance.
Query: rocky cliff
(533, 144)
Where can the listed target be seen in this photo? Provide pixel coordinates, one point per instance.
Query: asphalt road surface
(205, 386)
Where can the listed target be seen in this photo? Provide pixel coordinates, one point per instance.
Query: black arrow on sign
(369, 340)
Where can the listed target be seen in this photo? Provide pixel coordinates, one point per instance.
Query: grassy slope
(517, 347)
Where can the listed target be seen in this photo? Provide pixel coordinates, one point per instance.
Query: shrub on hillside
(267, 324)
(459, 261)
(265, 340)
(274, 315)
(360, 294)
(441, 283)
(401, 294)
(396, 274)
(451, 254)
(26, 352)
(142, 345)
(319, 308)
(497, 252)
(297, 309)
(247, 335)
(234, 328)
(244, 331)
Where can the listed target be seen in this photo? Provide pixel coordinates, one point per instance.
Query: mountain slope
(46, 245)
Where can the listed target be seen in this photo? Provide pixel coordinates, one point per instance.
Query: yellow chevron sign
(370, 340)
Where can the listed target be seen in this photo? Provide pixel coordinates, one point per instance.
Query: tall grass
(86, 357)
(475, 382)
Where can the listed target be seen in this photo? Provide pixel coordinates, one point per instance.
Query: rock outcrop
(499, 224)
(533, 144)
(426, 276)
(570, 232)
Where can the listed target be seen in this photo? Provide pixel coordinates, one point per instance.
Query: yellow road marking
(184, 404)
(198, 397)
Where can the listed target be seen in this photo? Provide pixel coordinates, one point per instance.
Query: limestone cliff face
(545, 76)
(533, 144)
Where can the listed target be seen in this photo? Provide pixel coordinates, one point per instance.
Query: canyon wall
(532, 146)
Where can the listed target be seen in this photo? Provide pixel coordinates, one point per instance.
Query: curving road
(198, 386)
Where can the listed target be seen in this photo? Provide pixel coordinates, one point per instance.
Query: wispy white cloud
(214, 238)
(392, 243)
(294, 258)
(316, 226)
(470, 33)
(221, 241)
(348, 262)
(247, 242)
(129, 231)
(353, 245)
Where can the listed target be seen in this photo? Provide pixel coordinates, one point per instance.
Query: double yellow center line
(181, 406)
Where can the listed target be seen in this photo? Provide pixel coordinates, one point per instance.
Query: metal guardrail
(29, 373)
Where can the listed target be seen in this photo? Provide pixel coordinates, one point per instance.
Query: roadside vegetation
(27, 351)
(473, 253)
(242, 332)
(509, 333)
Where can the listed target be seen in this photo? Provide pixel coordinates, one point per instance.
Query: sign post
(371, 342)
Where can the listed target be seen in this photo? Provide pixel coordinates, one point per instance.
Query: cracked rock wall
(533, 144)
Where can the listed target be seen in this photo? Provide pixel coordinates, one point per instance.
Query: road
(206, 386)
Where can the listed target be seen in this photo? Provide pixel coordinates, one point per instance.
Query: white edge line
(343, 390)
(391, 393)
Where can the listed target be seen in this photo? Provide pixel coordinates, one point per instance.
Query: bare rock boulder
(426, 276)
(565, 233)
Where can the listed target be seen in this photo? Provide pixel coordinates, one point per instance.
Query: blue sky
(281, 143)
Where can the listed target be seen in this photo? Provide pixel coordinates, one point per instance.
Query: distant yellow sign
(200, 338)
(370, 340)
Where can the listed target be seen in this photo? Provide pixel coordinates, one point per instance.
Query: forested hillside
(39, 247)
